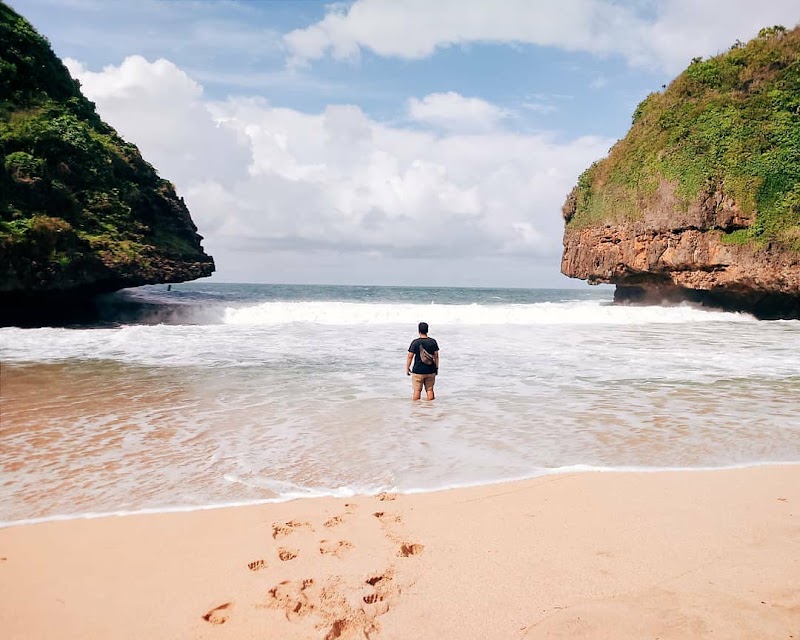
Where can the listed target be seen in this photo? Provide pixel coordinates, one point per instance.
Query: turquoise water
(214, 394)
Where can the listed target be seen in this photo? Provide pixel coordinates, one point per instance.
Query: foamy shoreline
(348, 493)
(689, 554)
(142, 416)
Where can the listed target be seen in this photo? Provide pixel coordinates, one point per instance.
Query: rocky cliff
(80, 211)
(701, 200)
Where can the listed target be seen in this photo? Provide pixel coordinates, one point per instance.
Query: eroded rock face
(672, 255)
(81, 212)
(701, 199)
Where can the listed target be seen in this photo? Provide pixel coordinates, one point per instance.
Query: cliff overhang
(671, 255)
(81, 212)
(700, 202)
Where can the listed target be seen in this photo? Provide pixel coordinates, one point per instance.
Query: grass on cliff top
(65, 173)
(730, 124)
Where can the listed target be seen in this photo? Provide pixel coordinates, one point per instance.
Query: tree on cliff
(80, 210)
(730, 126)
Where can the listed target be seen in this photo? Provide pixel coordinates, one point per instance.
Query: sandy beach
(690, 554)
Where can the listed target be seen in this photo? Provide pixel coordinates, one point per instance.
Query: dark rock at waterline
(77, 310)
(765, 306)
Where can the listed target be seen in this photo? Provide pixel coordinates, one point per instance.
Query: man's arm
(436, 360)
(408, 363)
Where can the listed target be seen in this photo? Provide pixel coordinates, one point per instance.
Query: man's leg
(416, 385)
(429, 386)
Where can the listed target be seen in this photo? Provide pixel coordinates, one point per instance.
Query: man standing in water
(425, 353)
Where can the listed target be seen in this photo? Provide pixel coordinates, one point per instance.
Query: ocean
(218, 394)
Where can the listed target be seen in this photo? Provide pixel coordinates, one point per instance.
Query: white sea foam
(246, 337)
(347, 492)
(543, 313)
(302, 399)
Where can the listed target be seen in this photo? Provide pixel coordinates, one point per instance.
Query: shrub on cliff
(729, 125)
(79, 207)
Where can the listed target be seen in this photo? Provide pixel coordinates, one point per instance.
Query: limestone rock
(81, 212)
(701, 200)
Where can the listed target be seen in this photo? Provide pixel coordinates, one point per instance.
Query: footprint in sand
(292, 596)
(375, 580)
(338, 628)
(374, 605)
(387, 517)
(219, 615)
(410, 549)
(377, 600)
(329, 547)
(372, 598)
(287, 554)
(256, 565)
(282, 529)
(384, 497)
(334, 521)
(336, 607)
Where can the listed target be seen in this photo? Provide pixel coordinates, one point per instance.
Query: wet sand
(691, 554)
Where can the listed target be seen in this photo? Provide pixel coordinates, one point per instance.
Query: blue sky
(383, 141)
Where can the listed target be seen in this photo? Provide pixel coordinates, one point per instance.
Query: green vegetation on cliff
(79, 207)
(729, 125)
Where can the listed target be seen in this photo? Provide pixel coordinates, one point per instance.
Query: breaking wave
(544, 313)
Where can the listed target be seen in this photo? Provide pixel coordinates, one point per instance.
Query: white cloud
(263, 180)
(687, 28)
(161, 109)
(416, 28)
(136, 76)
(673, 33)
(453, 111)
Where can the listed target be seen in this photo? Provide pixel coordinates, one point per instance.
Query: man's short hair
(423, 327)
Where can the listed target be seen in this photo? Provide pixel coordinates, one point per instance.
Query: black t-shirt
(431, 347)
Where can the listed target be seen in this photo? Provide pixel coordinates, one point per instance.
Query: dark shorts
(418, 380)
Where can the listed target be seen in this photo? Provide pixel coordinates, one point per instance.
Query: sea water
(214, 394)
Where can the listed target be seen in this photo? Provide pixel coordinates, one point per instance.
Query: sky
(387, 142)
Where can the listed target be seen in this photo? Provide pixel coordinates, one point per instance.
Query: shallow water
(272, 392)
